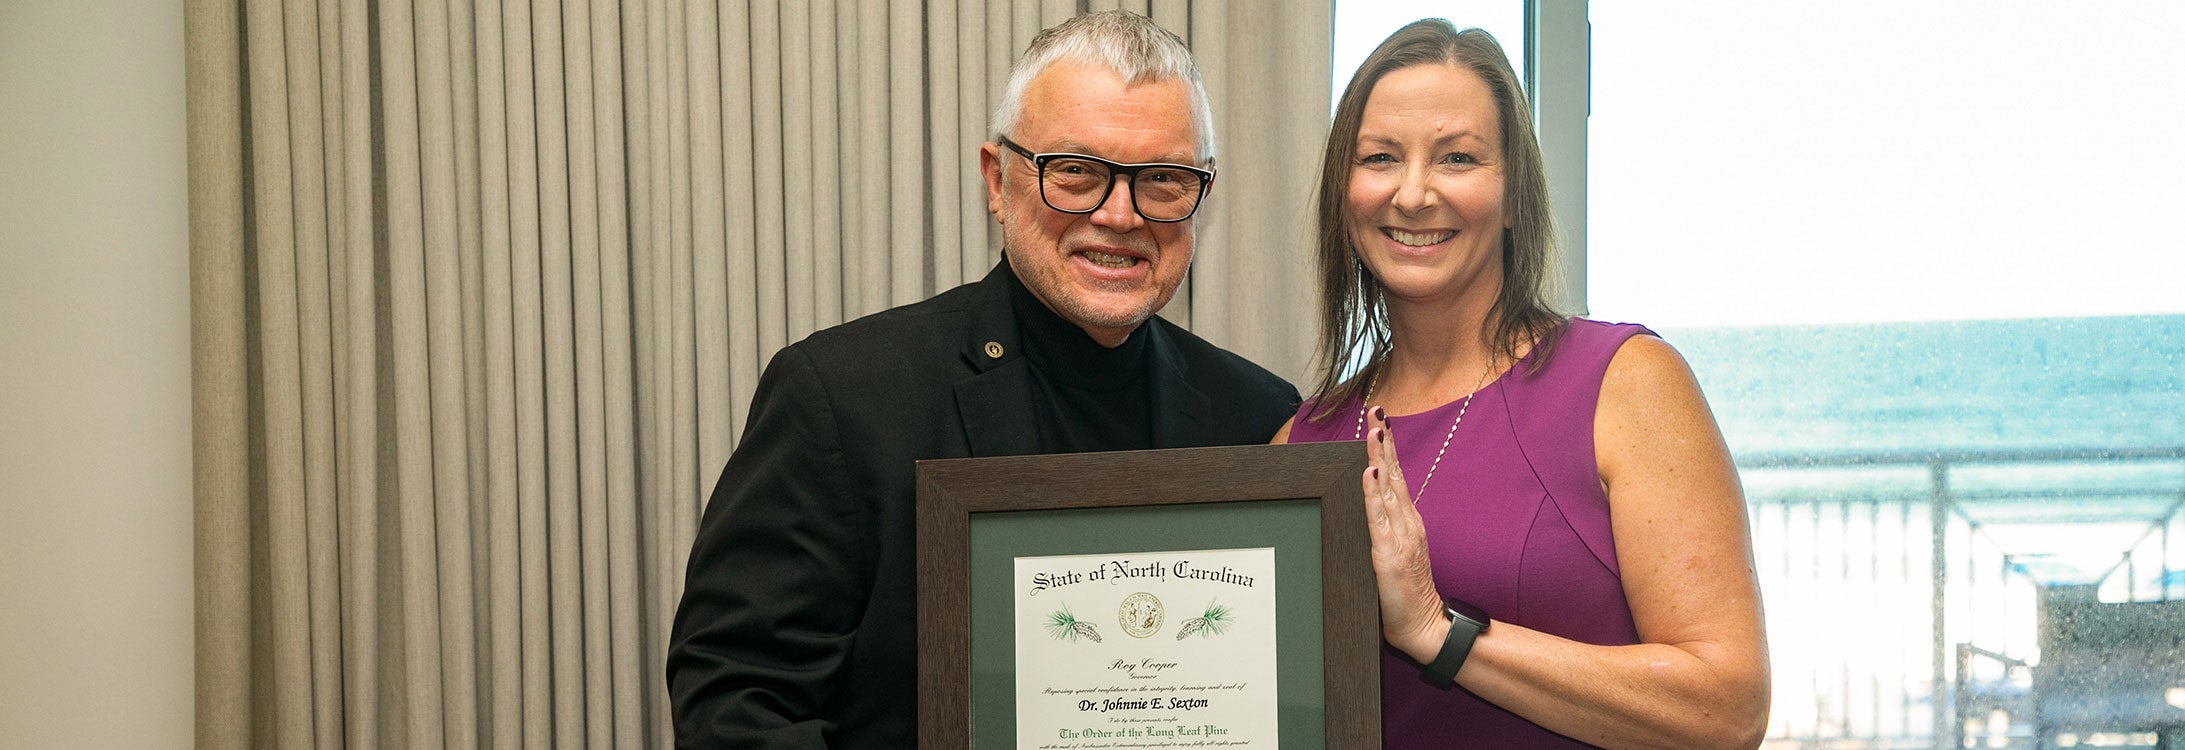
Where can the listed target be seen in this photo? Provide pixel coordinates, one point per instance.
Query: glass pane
(1921, 256)
(1361, 25)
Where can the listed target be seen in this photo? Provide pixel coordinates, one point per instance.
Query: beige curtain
(481, 291)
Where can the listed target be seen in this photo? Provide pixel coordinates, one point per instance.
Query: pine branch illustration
(1064, 626)
(1217, 620)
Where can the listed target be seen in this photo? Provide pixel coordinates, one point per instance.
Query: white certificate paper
(1146, 650)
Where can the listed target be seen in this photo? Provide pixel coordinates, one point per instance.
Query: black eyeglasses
(1078, 184)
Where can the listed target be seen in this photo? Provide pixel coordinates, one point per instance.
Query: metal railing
(1900, 587)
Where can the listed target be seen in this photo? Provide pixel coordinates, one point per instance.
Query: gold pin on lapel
(993, 350)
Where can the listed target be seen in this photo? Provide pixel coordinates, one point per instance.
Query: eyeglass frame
(1115, 170)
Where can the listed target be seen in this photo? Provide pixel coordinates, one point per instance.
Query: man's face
(1109, 270)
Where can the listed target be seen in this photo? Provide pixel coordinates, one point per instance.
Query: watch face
(1467, 611)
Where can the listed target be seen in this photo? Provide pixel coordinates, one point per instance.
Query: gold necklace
(1360, 433)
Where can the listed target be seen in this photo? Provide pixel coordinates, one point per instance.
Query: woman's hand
(1411, 607)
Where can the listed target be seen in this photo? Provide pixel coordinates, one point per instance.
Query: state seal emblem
(1140, 615)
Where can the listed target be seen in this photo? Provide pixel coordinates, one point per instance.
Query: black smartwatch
(1466, 623)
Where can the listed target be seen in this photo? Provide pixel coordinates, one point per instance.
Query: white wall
(95, 613)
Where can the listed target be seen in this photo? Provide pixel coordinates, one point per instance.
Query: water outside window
(1922, 256)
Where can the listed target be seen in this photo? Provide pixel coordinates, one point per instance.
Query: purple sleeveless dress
(1516, 524)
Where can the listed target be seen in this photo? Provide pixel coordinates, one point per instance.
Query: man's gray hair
(1130, 44)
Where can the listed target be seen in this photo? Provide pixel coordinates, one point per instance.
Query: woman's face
(1425, 196)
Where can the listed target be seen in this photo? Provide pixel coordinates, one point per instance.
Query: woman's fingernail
(1378, 414)
(1375, 471)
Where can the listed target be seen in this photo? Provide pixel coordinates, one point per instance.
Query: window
(1919, 255)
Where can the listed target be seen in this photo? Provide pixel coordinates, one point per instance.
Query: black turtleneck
(1085, 397)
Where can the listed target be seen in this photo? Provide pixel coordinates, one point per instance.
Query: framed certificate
(1192, 597)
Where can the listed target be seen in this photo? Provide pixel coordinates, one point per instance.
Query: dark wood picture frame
(952, 493)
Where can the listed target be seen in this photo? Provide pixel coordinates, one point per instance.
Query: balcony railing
(1902, 588)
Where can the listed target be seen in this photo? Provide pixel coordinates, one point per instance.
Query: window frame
(1559, 75)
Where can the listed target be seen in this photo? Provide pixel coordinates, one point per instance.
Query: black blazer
(798, 611)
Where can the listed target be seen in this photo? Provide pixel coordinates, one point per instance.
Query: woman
(1557, 527)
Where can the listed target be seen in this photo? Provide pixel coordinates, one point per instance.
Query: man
(796, 625)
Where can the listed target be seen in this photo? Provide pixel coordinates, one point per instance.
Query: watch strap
(1463, 631)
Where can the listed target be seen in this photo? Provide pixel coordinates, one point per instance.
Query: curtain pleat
(313, 27)
(444, 265)
(740, 256)
(1001, 48)
(868, 172)
(655, 226)
(973, 253)
(219, 385)
(501, 653)
(798, 165)
(908, 220)
(278, 394)
(944, 160)
(358, 506)
(620, 501)
(482, 290)
(418, 688)
(713, 302)
(522, 593)
(825, 217)
(768, 173)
